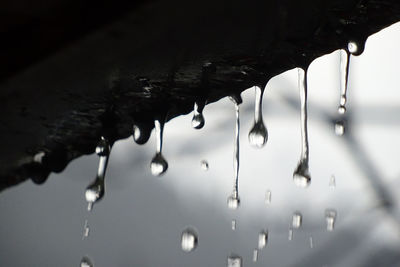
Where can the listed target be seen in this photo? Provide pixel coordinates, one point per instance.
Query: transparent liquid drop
(258, 135)
(158, 165)
(86, 262)
(255, 255)
(198, 118)
(95, 191)
(311, 242)
(344, 74)
(297, 220)
(340, 128)
(355, 47)
(290, 237)
(262, 239)
(268, 196)
(233, 199)
(234, 261)
(204, 165)
(301, 175)
(330, 216)
(189, 240)
(332, 182)
(86, 230)
(233, 224)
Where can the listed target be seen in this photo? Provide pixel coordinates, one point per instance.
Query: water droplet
(332, 182)
(233, 199)
(344, 74)
(255, 255)
(141, 132)
(330, 216)
(258, 134)
(301, 175)
(86, 262)
(262, 239)
(158, 164)
(355, 47)
(86, 230)
(204, 165)
(290, 234)
(340, 128)
(103, 147)
(234, 261)
(198, 118)
(38, 157)
(311, 242)
(268, 195)
(233, 223)
(297, 220)
(189, 240)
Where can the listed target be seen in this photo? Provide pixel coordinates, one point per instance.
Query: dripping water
(262, 239)
(198, 118)
(95, 191)
(86, 262)
(258, 134)
(233, 225)
(189, 240)
(330, 216)
(255, 255)
(344, 74)
(158, 164)
(301, 175)
(234, 261)
(233, 199)
(297, 220)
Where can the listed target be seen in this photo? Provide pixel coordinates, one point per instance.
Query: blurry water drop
(344, 74)
(86, 230)
(258, 134)
(158, 164)
(290, 234)
(297, 220)
(189, 240)
(332, 182)
(233, 225)
(330, 216)
(198, 118)
(262, 239)
(311, 242)
(86, 262)
(339, 128)
(204, 165)
(233, 199)
(234, 261)
(95, 191)
(255, 255)
(268, 197)
(301, 175)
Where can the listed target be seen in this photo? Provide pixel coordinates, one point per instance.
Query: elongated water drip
(233, 199)
(86, 230)
(262, 239)
(95, 191)
(344, 74)
(198, 118)
(330, 216)
(189, 240)
(158, 164)
(258, 134)
(301, 175)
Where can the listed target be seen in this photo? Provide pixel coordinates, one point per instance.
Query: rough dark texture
(155, 61)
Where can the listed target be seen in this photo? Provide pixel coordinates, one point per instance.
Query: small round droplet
(258, 135)
(352, 47)
(234, 261)
(339, 128)
(342, 110)
(86, 230)
(103, 147)
(297, 220)
(301, 176)
(94, 192)
(86, 262)
(355, 48)
(158, 165)
(233, 201)
(262, 239)
(330, 216)
(198, 121)
(204, 165)
(189, 240)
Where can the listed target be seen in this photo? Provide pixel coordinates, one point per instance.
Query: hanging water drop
(344, 74)
(198, 118)
(95, 191)
(262, 239)
(268, 195)
(297, 220)
(158, 164)
(189, 240)
(258, 134)
(255, 255)
(301, 175)
(330, 216)
(234, 261)
(356, 47)
(86, 262)
(233, 199)
(204, 165)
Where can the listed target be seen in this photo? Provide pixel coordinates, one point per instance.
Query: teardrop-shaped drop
(198, 118)
(258, 135)
(94, 192)
(103, 147)
(158, 165)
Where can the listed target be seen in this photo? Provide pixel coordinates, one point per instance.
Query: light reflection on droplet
(297, 220)
(339, 128)
(158, 165)
(189, 240)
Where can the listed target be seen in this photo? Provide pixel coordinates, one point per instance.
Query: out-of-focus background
(140, 220)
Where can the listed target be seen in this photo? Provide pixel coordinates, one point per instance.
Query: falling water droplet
(233, 199)
(234, 261)
(204, 165)
(332, 182)
(262, 239)
(268, 195)
(95, 191)
(297, 220)
(258, 134)
(233, 225)
(255, 255)
(86, 230)
(301, 175)
(189, 240)
(330, 216)
(158, 164)
(290, 234)
(198, 118)
(311, 242)
(344, 74)
(86, 262)
(339, 128)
